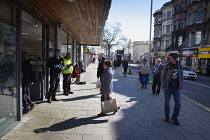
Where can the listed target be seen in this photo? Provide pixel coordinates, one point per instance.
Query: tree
(112, 36)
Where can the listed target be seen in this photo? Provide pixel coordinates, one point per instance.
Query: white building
(139, 49)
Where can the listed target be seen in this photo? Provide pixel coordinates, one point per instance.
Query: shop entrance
(32, 43)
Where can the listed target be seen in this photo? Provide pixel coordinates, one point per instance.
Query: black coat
(52, 62)
(27, 71)
(100, 69)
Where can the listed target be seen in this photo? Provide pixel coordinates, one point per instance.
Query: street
(196, 91)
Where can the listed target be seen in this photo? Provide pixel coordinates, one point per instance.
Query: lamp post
(150, 33)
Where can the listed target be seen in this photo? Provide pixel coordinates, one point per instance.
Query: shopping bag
(98, 84)
(109, 106)
(144, 80)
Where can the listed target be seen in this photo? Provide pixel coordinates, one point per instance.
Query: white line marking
(198, 84)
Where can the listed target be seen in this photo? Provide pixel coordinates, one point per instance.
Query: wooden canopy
(83, 19)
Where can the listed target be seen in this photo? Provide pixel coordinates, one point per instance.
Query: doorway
(32, 43)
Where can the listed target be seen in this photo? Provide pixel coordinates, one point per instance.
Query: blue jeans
(177, 98)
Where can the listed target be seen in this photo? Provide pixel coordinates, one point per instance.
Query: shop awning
(84, 20)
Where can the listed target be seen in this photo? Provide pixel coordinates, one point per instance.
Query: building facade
(190, 35)
(139, 50)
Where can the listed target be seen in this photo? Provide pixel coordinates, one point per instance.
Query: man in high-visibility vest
(68, 69)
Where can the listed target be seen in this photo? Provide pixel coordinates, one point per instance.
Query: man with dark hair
(56, 66)
(172, 83)
(125, 66)
(100, 68)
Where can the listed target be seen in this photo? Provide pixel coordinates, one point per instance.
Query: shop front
(162, 56)
(204, 60)
(189, 58)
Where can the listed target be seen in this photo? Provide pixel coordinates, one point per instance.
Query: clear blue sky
(134, 16)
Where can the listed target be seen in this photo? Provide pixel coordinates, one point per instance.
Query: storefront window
(64, 44)
(51, 41)
(8, 65)
(180, 40)
(70, 44)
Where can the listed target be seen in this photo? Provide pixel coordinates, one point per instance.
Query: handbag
(108, 106)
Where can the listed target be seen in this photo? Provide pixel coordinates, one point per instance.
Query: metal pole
(150, 34)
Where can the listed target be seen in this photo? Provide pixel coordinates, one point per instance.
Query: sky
(134, 16)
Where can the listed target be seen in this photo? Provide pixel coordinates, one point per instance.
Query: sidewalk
(141, 116)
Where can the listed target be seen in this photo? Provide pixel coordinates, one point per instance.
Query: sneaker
(176, 121)
(54, 99)
(167, 119)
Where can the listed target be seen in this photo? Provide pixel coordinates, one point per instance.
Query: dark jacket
(106, 81)
(52, 62)
(166, 75)
(157, 69)
(100, 69)
(125, 63)
(27, 71)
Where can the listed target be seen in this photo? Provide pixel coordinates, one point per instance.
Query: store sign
(204, 52)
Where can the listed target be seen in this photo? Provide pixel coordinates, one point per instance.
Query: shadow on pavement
(70, 123)
(79, 98)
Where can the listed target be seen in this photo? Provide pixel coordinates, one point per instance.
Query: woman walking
(27, 81)
(106, 82)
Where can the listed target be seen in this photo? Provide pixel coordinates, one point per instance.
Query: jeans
(66, 82)
(156, 84)
(177, 98)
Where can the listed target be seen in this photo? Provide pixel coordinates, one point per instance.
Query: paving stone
(193, 137)
(159, 130)
(206, 128)
(72, 137)
(142, 131)
(101, 131)
(193, 129)
(43, 121)
(206, 135)
(50, 136)
(142, 123)
(84, 130)
(92, 137)
(175, 137)
(156, 137)
(56, 116)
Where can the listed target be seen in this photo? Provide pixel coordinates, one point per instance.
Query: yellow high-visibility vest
(67, 70)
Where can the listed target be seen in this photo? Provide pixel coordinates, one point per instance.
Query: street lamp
(150, 34)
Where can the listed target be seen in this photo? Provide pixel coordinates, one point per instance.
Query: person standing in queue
(157, 69)
(56, 66)
(100, 68)
(68, 69)
(143, 71)
(125, 67)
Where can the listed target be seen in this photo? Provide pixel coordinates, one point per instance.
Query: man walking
(125, 66)
(56, 65)
(157, 69)
(172, 83)
(68, 69)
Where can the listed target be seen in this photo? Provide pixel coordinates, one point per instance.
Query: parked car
(188, 73)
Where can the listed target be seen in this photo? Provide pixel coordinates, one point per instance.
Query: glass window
(168, 29)
(175, 26)
(64, 44)
(8, 65)
(181, 23)
(169, 14)
(180, 40)
(199, 16)
(164, 16)
(197, 37)
(191, 19)
(159, 20)
(189, 39)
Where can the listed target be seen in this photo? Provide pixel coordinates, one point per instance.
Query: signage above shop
(204, 52)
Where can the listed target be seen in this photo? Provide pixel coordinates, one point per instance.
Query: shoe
(33, 105)
(167, 119)
(55, 99)
(145, 87)
(141, 87)
(176, 121)
(70, 92)
(49, 101)
(101, 114)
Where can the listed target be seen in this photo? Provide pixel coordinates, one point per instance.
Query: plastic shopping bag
(98, 84)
